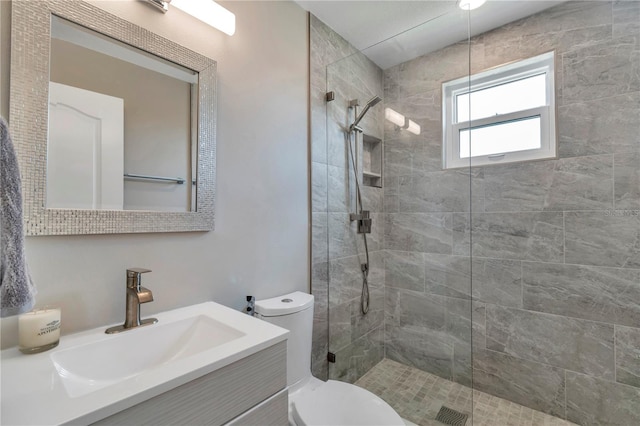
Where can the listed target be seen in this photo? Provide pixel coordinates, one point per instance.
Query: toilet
(312, 401)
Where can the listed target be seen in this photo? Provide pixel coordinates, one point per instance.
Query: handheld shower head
(373, 101)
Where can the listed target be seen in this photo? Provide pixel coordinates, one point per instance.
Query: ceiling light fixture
(207, 11)
(470, 4)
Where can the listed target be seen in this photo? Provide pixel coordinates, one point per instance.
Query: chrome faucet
(136, 294)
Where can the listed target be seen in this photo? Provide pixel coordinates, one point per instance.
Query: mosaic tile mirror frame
(28, 119)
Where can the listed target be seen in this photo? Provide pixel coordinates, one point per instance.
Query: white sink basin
(93, 366)
(92, 375)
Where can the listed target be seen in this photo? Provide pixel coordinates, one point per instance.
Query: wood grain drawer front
(216, 398)
(272, 412)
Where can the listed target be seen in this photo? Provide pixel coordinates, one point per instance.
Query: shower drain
(451, 417)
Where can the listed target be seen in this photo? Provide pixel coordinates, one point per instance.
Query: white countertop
(33, 392)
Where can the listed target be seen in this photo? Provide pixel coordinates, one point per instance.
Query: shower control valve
(364, 221)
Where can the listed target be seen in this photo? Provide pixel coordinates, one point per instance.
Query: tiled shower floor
(417, 396)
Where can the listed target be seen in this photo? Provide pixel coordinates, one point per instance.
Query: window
(502, 115)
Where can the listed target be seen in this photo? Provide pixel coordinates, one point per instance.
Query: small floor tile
(417, 396)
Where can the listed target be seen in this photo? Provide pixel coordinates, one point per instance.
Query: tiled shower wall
(338, 251)
(555, 244)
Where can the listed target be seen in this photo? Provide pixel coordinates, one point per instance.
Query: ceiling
(391, 32)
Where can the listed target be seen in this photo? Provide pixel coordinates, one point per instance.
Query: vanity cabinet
(250, 391)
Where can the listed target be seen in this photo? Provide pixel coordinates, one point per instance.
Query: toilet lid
(341, 404)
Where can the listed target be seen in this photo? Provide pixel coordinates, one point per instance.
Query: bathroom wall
(427, 308)
(260, 245)
(338, 251)
(556, 261)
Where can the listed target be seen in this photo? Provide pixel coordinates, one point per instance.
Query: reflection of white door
(85, 151)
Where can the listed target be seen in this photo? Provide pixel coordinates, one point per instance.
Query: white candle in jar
(39, 327)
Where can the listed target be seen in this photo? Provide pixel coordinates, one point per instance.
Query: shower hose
(364, 267)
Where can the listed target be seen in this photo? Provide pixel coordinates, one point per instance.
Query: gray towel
(17, 293)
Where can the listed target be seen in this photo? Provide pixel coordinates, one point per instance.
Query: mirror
(114, 125)
(119, 125)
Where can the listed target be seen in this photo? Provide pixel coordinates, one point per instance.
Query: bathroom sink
(92, 375)
(93, 366)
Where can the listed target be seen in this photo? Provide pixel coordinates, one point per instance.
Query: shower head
(373, 101)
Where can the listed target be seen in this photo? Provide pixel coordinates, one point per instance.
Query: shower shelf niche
(371, 161)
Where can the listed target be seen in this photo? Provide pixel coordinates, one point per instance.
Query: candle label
(49, 328)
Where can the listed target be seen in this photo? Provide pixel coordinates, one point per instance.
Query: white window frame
(542, 64)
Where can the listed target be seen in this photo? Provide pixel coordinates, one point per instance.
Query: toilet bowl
(312, 401)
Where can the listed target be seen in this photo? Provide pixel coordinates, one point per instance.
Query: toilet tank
(293, 311)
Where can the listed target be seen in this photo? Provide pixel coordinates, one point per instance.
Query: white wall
(260, 244)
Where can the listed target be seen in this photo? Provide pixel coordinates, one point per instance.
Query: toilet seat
(340, 404)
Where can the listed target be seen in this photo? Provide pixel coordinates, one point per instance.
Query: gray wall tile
(628, 355)
(419, 106)
(372, 198)
(399, 155)
(426, 350)
(447, 275)
(390, 82)
(425, 232)
(534, 385)
(318, 132)
(354, 360)
(429, 157)
(363, 324)
(517, 187)
(603, 126)
(582, 183)
(504, 46)
(319, 229)
(600, 294)
(567, 184)
(318, 187)
(461, 368)
(320, 336)
(518, 236)
(341, 189)
(461, 234)
(569, 343)
(376, 269)
(345, 280)
(339, 326)
(600, 71)
(404, 270)
(605, 238)
(375, 240)
(497, 281)
(337, 147)
(626, 18)
(566, 17)
(343, 240)
(458, 321)
(429, 332)
(445, 191)
(479, 326)
(627, 178)
(425, 73)
(391, 194)
(595, 402)
(415, 310)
